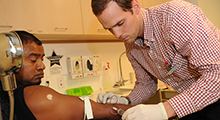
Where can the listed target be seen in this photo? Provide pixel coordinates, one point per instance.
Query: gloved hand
(111, 98)
(146, 112)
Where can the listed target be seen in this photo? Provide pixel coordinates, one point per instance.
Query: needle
(119, 111)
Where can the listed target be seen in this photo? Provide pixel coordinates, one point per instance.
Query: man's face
(123, 25)
(33, 66)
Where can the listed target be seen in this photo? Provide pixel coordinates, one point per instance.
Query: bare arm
(45, 103)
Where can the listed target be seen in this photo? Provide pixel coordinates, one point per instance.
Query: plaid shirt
(177, 34)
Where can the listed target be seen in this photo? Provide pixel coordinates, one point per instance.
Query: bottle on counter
(107, 77)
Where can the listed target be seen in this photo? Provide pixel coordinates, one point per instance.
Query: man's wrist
(163, 111)
(128, 100)
(170, 111)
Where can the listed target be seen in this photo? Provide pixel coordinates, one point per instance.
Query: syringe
(119, 111)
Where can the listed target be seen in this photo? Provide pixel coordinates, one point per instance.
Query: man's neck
(141, 25)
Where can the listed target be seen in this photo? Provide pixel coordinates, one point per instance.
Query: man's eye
(33, 60)
(121, 23)
(109, 29)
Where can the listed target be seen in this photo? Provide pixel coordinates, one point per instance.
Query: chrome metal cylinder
(9, 82)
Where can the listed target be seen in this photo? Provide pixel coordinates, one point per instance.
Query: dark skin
(63, 106)
(33, 66)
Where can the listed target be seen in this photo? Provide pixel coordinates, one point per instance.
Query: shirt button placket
(151, 54)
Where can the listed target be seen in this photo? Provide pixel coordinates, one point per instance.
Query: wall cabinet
(90, 23)
(41, 17)
(58, 17)
(16, 15)
(52, 19)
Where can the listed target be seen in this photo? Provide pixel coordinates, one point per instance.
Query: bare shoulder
(37, 93)
(38, 90)
(38, 97)
(45, 102)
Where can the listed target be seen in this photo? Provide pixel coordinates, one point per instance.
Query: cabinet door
(58, 17)
(141, 3)
(91, 24)
(16, 15)
(149, 3)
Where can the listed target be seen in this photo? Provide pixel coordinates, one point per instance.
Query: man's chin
(129, 41)
(38, 82)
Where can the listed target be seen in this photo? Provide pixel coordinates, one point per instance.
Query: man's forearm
(105, 111)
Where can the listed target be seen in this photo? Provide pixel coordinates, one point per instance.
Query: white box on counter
(75, 67)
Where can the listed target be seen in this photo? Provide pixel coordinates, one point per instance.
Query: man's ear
(17, 70)
(136, 6)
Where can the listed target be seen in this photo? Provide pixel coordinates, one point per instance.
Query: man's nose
(41, 65)
(117, 33)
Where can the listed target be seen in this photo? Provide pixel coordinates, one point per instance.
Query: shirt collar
(148, 29)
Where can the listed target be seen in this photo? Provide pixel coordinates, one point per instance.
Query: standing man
(173, 42)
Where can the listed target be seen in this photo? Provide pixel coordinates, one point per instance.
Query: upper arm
(46, 103)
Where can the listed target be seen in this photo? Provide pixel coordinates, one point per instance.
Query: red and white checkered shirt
(177, 34)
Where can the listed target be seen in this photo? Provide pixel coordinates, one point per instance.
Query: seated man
(33, 101)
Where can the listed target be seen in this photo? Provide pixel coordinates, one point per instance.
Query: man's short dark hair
(98, 6)
(28, 37)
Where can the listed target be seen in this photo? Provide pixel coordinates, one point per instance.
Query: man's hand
(111, 98)
(146, 112)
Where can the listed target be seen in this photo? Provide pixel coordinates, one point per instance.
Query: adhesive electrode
(50, 97)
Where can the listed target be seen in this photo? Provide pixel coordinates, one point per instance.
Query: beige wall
(211, 9)
(195, 2)
(110, 52)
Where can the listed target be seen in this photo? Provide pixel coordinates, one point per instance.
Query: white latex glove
(146, 112)
(111, 98)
